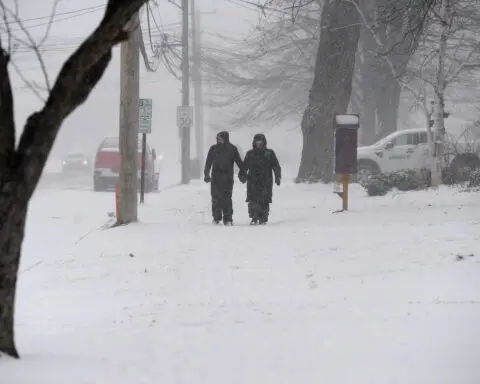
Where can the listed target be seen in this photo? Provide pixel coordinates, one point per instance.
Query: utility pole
(129, 123)
(197, 86)
(185, 131)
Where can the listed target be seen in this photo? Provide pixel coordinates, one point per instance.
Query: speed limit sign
(184, 117)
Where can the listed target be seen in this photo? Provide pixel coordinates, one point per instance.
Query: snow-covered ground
(388, 292)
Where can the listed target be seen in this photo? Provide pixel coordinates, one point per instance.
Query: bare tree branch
(31, 43)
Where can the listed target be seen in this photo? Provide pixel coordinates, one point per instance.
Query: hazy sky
(99, 116)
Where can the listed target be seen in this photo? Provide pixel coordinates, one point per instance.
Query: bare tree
(331, 88)
(267, 76)
(447, 54)
(21, 166)
(272, 71)
(451, 50)
(390, 34)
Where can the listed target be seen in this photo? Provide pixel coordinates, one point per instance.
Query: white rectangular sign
(145, 114)
(184, 117)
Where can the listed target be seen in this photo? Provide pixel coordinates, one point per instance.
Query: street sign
(184, 117)
(145, 114)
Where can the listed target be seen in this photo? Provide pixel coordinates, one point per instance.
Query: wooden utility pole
(197, 86)
(185, 133)
(129, 122)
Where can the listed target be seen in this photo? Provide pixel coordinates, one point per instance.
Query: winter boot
(228, 223)
(263, 220)
(216, 221)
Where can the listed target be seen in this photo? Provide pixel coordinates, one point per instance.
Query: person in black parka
(220, 159)
(260, 162)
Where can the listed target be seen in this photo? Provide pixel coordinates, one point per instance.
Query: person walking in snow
(220, 160)
(259, 164)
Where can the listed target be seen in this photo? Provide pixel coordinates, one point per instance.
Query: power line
(63, 41)
(55, 20)
(96, 7)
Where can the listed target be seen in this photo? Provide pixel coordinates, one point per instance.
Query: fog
(99, 116)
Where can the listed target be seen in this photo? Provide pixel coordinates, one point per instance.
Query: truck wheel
(364, 171)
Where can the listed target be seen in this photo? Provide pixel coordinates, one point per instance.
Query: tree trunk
(392, 37)
(21, 167)
(331, 89)
(129, 122)
(367, 118)
(387, 99)
(366, 66)
(9, 263)
(445, 16)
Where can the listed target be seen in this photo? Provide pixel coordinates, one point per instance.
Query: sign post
(145, 113)
(345, 144)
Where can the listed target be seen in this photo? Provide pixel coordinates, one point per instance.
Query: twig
(33, 44)
(30, 85)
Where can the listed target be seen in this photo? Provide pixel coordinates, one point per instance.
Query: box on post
(345, 143)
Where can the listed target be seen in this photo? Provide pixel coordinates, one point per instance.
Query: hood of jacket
(259, 137)
(223, 135)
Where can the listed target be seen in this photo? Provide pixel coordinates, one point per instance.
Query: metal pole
(185, 134)
(142, 175)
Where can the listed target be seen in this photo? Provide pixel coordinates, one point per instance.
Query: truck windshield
(383, 142)
(114, 143)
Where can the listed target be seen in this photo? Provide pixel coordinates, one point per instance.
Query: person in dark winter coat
(220, 159)
(260, 162)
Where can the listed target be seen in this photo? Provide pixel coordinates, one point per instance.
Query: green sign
(145, 114)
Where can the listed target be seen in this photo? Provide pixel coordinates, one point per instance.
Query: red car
(107, 166)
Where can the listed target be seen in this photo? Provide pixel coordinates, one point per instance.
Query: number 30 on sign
(184, 117)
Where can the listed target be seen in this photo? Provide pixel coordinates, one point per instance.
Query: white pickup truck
(408, 149)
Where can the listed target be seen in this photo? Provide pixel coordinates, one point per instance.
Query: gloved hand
(207, 179)
(242, 177)
(277, 180)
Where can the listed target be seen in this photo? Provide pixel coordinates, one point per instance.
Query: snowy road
(386, 293)
(59, 180)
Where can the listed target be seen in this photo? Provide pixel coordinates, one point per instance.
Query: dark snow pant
(222, 207)
(259, 210)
